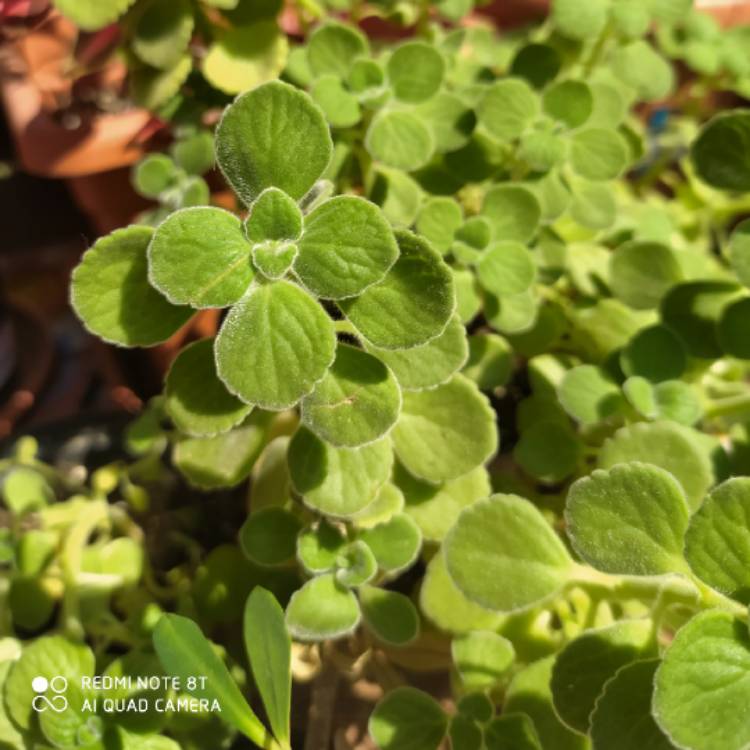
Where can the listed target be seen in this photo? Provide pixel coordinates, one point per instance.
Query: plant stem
(322, 701)
(729, 406)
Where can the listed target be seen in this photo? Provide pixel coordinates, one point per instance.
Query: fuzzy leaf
(91, 15)
(341, 107)
(503, 554)
(598, 154)
(346, 247)
(337, 481)
(154, 174)
(452, 121)
(319, 546)
(322, 609)
(445, 432)
(111, 294)
(400, 139)
(269, 536)
(630, 520)
(482, 658)
(654, 353)
(196, 400)
(641, 273)
(411, 305)
(163, 32)
(275, 345)
(273, 216)
(513, 211)
(506, 268)
(408, 719)
(415, 71)
(512, 731)
(508, 108)
(356, 565)
(588, 394)
(720, 153)
(579, 20)
(438, 220)
(332, 48)
(391, 616)
(570, 102)
(272, 136)
(395, 543)
(639, 66)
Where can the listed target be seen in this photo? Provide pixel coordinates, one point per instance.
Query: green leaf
(415, 71)
(720, 152)
(154, 174)
(508, 108)
(586, 663)
(346, 247)
(153, 88)
(537, 63)
(482, 658)
(677, 401)
(511, 731)
(610, 106)
(630, 520)
(702, 684)
(269, 650)
(593, 205)
(588, 394)
(513, 211)
(445, 432)
(570, 102)
(337, 481)
(529, 693)
(389, 615)
(275, 345)
(513, 314)
(200, 257)
(732, 329)
(322, 609)
(411, 305)
(582, 21)
(452, 121)
(503, 554)
(717, 543)
(692, 311)
(408, 719)
(163, 31)
(194, 152)
(641, 395)
(222, 460)
(654, 353)
(356, 565)
(431, 364)
(548, 450)
(739, 251)
(196, 400)
(341, 107)
(91, 15)
(506, 268)
(397, 194)
(269, 536)
(319, 546)
(333, 47)
(111, 294)
(476, 706)
(272, 136)
(641, 273)
(274, 258)
(185, 652)
(542, 151)
(622, 717)
(47, 657)
(273, 216)
(25, 489)
(246, 56)
(442, 602)
(468, 294)
(490, 362)
(639, 66)
(598, 154)
(396, 543)
(400, 139)
(665, 444)
(356, 402)
(438, 220)
(387, 503)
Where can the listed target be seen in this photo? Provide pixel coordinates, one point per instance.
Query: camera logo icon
(57, 702)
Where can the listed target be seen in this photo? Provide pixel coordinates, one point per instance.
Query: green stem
(728, 407)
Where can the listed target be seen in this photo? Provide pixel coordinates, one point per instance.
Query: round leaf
(579, 20)
(588, 394)
(506, 268)
(269, 536)
(389, 615)
(321, 610)
(508, 108)
(641, 273)
(513, 211)
(408, 719)
(163, 32)
(275, 345)
(400, 139)
(415, 71)
(654, 353)
(273, 216)
(721, 151)
(482, 658)
(570, 102)
(395, 543)
(332, 48)
(598, 154)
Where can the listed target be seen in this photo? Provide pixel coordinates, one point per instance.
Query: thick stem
(322, 702)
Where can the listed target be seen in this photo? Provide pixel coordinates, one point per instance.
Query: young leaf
(570, 102)
(400, 139)
(667, 445)
(153, 175)
(502, 554)
(333, 47)
(588, 394)
(407, 718)
(184, 652)
(445, 432)
(508, 108)
(720, 152)
(337, 481)
(513, 211)
(196, 400)
(415, 71)
(269, 650)
(322, 609)
(482, 658)
(430, 364)
(703, 684)
(356, 565)
(391, 616)
(629, 520)
(357, 401)
(340, 106)
(269, 536)
(438, 220)
(717, 542)
(585, 664)
(395, 543)
(598, 154)
(411, 305)
(387, 503)
(622, 719)
(506, 268)
(273, 216)
(272, 136)
(200, 257)
(111, 294)
(318, 547)
(476, 706)
(275, 345)
(346, 247)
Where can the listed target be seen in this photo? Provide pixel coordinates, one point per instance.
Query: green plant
(448, 241)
